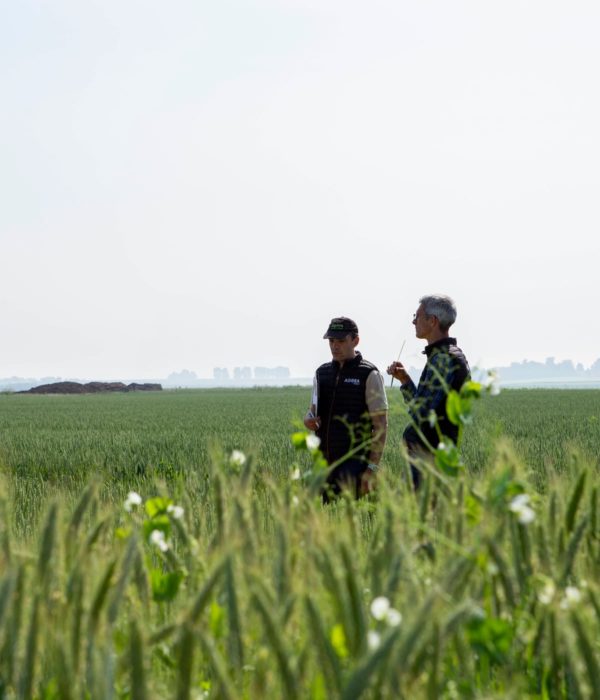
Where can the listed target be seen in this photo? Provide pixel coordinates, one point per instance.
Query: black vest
(342, 408)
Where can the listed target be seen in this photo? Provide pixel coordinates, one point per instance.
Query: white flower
(524, 513)
(546, 595)
(393, 618)
(175, 511)
(492, 383)
(518, 502)
(380, 607)
(492, 569)
(237, 458)
(295, 474)
(526, 516)
(572, 597)
(373, 640)
(441, 446)
(157, 538)
(477, 613)
(452, 690)
(133, 499)
(295, 501)
(313, 442)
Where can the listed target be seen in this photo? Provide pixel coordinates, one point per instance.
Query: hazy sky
(200, 184)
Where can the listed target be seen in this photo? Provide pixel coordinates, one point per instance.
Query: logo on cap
(340, 327)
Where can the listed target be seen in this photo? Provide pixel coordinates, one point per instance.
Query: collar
(438, 343)
(349, 363)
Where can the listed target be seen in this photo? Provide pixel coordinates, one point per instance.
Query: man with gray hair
(446, 368)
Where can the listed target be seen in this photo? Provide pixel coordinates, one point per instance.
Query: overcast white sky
(198, 184)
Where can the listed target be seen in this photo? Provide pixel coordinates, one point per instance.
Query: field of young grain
(230, 579)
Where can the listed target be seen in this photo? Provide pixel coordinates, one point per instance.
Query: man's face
(423, 323)
(343, 349)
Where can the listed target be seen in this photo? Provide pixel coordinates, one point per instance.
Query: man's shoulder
(324, 370)
(445, 349)
(368, 365)
(457, 353)
(324, 366)
(448, 359)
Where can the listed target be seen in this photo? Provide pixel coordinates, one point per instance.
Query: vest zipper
(337, 379)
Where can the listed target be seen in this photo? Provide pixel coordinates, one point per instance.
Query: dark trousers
(415, 453)
(346, 476)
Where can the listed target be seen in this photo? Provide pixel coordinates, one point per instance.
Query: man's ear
(355, 341)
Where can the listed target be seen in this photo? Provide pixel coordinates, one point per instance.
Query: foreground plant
(246, 586)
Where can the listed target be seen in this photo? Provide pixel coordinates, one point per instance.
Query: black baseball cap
(341, 327)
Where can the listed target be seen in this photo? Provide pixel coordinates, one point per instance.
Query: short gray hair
(440, 306)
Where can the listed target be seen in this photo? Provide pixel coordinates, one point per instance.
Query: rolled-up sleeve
(375, 393)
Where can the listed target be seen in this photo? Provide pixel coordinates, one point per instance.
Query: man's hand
(398, 371)
(311, 421)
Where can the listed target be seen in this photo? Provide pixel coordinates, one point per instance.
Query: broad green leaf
(165, 585)
(454, 408)
(471, 390)
(490, 636)
(157, 506)
(122, 533)
(299, 440)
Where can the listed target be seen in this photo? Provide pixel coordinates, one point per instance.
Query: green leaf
(162, 523)
(447, 459)
(471, 390)
(472, 510)
(157, 506)
(454, 408)
(165, 585)
(503, 488)
(319, 689)
(338, 641)
(122, 533)
(217, 619)
(490, 636)
(299, 440)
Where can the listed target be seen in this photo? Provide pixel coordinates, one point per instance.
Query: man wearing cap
(446, 368)
(348, 412)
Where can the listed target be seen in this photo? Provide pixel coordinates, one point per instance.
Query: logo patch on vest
(352, 380)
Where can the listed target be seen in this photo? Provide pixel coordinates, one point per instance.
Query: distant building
(242, 373)
(183, 378)
(271, 373)
(550, 369)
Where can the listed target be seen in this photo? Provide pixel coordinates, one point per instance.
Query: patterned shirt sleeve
(408, 390)
(433, 388)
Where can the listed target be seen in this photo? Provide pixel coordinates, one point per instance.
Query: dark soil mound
(90, 388)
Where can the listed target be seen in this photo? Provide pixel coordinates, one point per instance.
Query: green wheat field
(228, 578)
